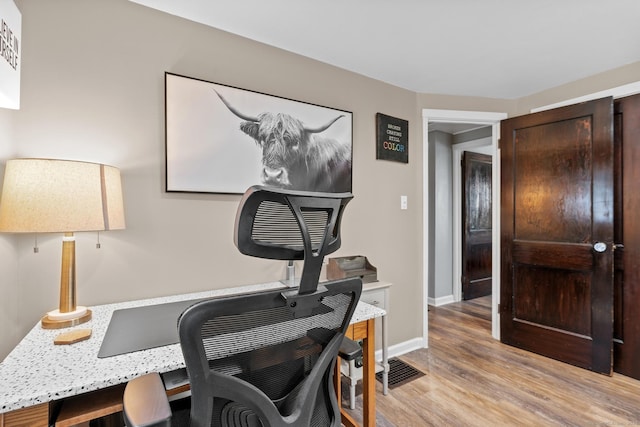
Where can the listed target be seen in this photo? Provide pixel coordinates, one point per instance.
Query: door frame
(475, 117)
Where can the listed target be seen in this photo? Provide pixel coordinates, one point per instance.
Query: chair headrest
(282, 224)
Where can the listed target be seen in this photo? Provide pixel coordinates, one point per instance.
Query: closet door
(627, 237)
(557, 233)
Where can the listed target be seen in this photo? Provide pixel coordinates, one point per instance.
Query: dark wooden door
(476, 225)
(557, 233)
(627, 237)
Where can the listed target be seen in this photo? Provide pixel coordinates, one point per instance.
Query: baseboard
(436, 302)
(401, 348)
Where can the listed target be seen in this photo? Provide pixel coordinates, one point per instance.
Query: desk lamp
(45, 196)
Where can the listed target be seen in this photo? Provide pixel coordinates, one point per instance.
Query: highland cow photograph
(222, 139)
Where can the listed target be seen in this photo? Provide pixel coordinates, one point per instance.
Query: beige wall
(9, 329)
(92, 89)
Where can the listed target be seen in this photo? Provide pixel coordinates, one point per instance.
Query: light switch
(403, 202)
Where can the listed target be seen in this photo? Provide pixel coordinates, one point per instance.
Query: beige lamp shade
(45, 195)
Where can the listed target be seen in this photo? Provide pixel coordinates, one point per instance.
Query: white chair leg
(352, 384)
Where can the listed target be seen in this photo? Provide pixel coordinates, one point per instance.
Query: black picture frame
(209, 149)
(392, 138)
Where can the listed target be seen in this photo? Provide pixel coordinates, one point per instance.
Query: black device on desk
(282, 375)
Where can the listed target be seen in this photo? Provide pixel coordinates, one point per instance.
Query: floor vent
(400, 373)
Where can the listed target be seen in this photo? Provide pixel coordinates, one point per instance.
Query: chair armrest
(349, 349)
(145, 402)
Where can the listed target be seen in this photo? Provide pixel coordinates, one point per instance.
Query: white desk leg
(385, 362)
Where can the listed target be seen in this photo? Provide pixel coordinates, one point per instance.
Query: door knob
(599, 246)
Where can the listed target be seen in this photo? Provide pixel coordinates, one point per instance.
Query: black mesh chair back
(290, 225)
(267, 359)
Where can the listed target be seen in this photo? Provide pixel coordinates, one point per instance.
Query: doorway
(478, 119)
(476, 225)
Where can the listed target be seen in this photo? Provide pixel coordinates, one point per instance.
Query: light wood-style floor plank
(473, 380)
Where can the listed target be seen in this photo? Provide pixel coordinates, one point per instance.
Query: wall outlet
(403, 202)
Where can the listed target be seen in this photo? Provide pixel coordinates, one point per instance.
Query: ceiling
(492, 48)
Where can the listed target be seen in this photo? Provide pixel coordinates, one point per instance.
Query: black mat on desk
(142, 328)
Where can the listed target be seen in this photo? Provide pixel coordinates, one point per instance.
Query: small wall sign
(392, 138)
(10, 54)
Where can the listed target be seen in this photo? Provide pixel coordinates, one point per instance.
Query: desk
(37, 372)
(365, 331)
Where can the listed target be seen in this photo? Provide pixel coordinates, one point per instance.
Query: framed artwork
(222, 139)
(392, 138)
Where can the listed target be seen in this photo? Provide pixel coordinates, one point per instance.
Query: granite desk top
(37, 371)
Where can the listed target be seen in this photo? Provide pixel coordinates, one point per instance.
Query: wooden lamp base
(51, 322)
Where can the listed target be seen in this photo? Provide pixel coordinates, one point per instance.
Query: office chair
(264, 359)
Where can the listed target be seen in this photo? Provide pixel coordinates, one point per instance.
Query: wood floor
(473, 380)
